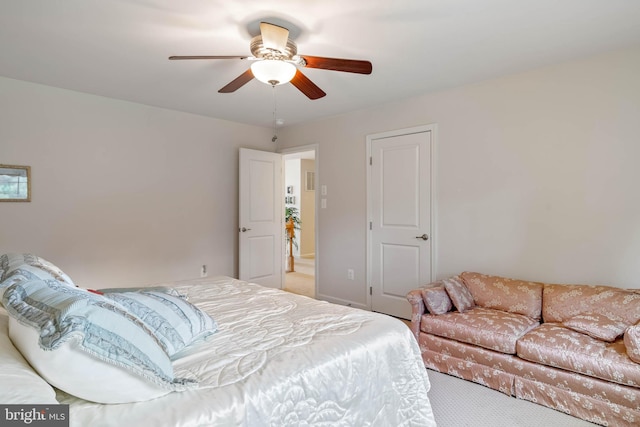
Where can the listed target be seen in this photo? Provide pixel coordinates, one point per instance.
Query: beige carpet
(302, 280)
(460, 403)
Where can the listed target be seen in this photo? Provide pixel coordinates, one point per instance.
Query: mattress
(280, 359)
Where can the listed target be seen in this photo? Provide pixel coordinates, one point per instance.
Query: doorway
(300, 257)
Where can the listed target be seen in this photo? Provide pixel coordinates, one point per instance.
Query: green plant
(292, 214)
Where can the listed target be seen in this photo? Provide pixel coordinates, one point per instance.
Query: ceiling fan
(276, 61)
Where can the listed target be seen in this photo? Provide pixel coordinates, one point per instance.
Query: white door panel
(261, 218)
(400, 265)
(400, 213)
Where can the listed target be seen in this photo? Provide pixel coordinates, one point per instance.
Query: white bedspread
(281, 359)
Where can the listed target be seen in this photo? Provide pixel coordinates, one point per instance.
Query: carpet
(301, 284)
(460, 403)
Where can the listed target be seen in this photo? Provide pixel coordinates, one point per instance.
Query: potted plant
(292, 223)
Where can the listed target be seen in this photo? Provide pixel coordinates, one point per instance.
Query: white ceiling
(119, 48)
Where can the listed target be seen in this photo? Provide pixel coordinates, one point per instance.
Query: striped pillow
(32, 266)
(88, 345)
(173, 320)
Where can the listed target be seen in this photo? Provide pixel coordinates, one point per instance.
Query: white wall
(123, 194)
(537, 176)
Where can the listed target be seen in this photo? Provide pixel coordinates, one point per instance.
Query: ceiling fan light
(273, 71)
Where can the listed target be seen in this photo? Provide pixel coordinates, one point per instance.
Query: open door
(261, 218)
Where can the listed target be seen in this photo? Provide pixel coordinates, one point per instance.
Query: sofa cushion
(493, 329)
(554, 345)
(436, 300)
(632, 342)
(459, 293)
(500, 293)
(562, 302)
(597, 326)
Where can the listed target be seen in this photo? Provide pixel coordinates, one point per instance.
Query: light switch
(323, 203)
(323, 190)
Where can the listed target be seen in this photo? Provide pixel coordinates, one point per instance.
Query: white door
(261, 222)
(400, 217)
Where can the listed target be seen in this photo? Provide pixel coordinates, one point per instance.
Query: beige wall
(123, 194)
(537, 176)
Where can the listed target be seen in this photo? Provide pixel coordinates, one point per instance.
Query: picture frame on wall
(289, 189)
(15, 183)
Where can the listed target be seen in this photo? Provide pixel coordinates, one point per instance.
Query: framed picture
(289, 189)
(15, 183)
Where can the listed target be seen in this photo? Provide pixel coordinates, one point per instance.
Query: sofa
(573, 348)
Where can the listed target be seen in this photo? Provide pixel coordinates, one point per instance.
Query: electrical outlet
(351, 274)
(203, 270)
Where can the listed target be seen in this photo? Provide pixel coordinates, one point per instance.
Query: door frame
(301, 149)
(433, 128)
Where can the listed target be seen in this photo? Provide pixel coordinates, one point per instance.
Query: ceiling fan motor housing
(259, 51)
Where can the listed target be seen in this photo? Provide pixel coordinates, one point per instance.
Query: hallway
(302, 280)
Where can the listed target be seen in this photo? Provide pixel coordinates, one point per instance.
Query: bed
(276, 359)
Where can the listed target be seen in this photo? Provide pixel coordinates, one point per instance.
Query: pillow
(459, 294)
(436, 300)
(40, 267)
(20, 383)
(164, 289)
(173, 320)
(596, 326)
(88, 345)
(632, 342)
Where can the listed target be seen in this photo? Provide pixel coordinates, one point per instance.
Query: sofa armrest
(417, 310)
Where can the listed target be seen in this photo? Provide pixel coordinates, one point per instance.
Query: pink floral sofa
(574, 348)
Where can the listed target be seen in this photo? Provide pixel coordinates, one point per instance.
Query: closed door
(261, 218)
(400, 205)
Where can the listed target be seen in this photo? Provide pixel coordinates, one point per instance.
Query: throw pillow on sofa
(436, 300)
(459, 294)
(597, 326)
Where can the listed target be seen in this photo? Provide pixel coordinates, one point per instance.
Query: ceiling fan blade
(173, 58)
(306, 86)
(336, 64)
(274, 37)
(239, 81)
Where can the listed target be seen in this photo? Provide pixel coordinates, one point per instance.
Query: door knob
(423, 237)
(243, 229)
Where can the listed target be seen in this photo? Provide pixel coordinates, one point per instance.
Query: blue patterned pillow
(109, 355)
(31, 266)
(173, 320)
